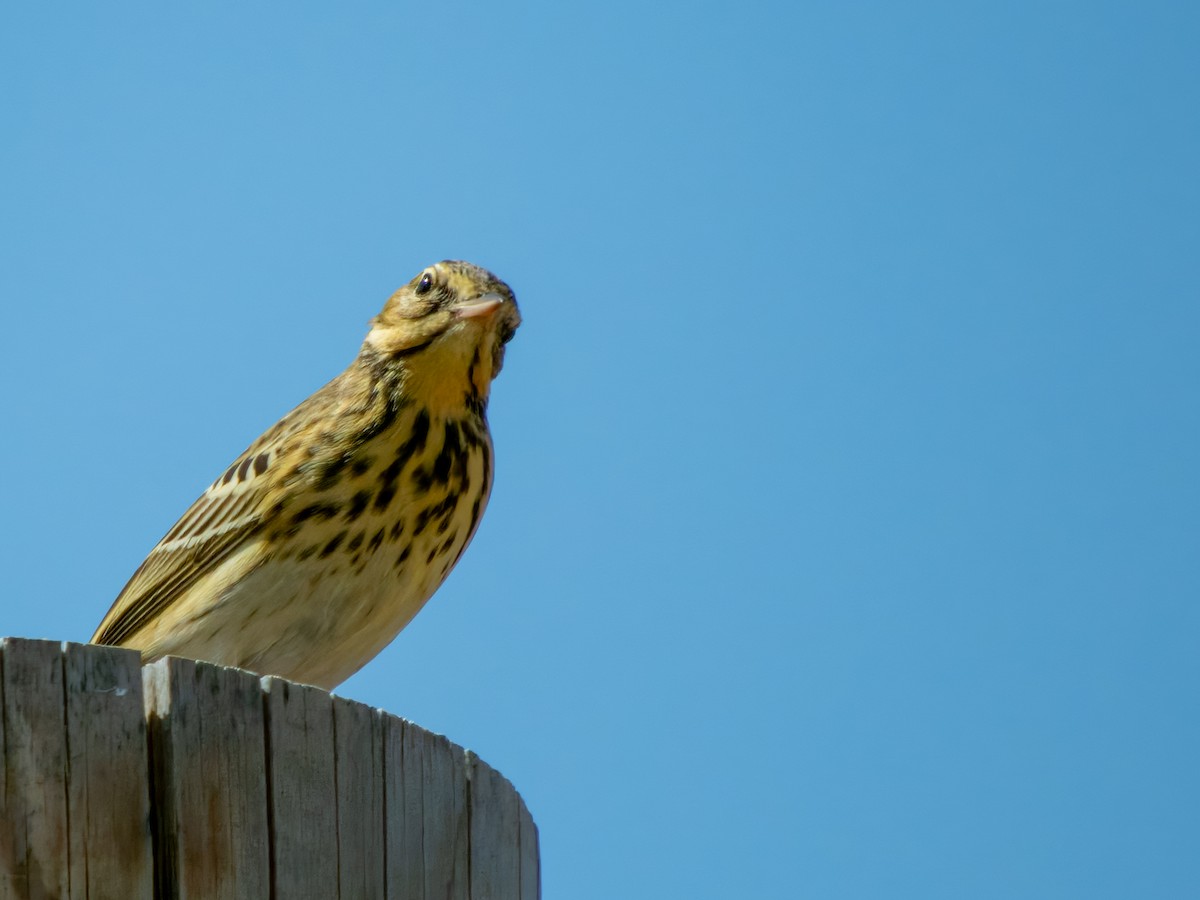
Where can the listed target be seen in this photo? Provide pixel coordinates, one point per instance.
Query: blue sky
(844, 539)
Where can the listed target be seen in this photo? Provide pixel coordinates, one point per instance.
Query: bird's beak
(483, 305)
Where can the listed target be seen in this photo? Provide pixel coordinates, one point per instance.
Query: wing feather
(161, 579)
(224, 517)
(233, 510)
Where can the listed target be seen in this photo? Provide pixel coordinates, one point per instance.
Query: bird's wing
(225, 516)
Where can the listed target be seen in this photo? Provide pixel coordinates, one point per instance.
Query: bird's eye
(425, 283)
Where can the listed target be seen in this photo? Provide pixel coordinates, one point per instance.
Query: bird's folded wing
(225, 516)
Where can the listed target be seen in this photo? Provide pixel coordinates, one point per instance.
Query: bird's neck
(442, 380)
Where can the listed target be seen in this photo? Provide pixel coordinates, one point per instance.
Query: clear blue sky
(845, 537)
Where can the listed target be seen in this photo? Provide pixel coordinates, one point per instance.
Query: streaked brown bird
(311, 552)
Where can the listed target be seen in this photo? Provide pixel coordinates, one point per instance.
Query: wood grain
(33, 790)
(190, 781)
(358, 737)
(108, 797)
(210, 780)
(495, 833)
(303, 797)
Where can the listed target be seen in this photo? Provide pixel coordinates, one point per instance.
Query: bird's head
(446, 326)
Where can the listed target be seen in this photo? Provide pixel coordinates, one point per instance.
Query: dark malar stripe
(471, 368)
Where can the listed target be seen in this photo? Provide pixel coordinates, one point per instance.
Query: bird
(322, 540)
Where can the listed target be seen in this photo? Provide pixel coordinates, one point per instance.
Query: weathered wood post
(189, 780)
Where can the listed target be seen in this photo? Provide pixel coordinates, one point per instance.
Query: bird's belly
(320, 627)
(318, 620)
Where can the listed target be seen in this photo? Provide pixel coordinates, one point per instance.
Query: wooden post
(189, 780)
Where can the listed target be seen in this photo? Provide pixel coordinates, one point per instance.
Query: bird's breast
(360, 553)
